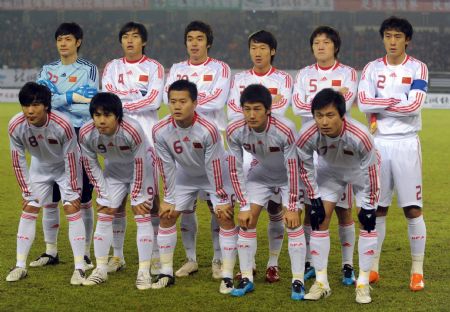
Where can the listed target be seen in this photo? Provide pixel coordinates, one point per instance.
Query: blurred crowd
(30, 43)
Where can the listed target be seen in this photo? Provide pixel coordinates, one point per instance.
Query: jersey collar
(204, 63)
(270, 72)
(332, 67)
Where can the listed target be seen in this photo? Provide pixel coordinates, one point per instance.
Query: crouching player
(128, 170)
(51, 140)
(191, 159)
(271, 141)
(346, 154)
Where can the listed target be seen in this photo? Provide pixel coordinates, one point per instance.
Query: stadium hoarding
(74, 5)
(195, 4)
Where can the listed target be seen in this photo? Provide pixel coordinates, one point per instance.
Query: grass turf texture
(48, 288)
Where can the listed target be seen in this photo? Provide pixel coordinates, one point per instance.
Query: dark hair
(70, 29)
(134, 26)
(331, 34)
(263, 36)
(327, 97)
(398, 24)
(184, 85)
(256, 93)
(200, 26)
(34, 93)
(109, 102)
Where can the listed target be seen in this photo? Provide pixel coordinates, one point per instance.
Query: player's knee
(31, 209)
(412, 212)
(226, 224)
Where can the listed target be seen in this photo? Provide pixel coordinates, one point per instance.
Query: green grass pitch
(48, 288)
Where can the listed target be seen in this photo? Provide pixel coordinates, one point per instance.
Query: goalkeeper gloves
(317, 213)
(50, 85)
(367, 218)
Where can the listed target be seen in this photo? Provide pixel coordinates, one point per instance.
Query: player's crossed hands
(166, 210)
(142, 208)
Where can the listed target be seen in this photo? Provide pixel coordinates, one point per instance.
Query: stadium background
(27, 28)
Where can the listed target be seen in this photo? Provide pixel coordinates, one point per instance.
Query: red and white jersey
(353, 150)
(213, 84)
(395, 94)
(140, 87)
(54, 144)
(277, 81)
(274, 150)
(197, 149)
(312, 79)
(126, 155)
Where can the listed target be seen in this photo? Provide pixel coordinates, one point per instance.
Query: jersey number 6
(177, 147)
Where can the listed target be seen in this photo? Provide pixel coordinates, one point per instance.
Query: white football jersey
(212, 79)
(53, 145)
(140, 87)
(353, 150)
(126, 159)
(198, 150)
(277, 81)
(273, 150)
(312, 79)
(395, 94)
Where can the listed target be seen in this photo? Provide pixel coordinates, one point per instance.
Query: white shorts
(401, 169)
(188, 189)
(346, 198)
(334, 185)
(43, 176)
(119, 177)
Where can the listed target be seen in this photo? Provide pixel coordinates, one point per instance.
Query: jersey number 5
(312, 85)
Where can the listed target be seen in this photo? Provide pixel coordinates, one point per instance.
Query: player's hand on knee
(291, 219)
(244, 218)
(166, 210)
(225, 212)
(76, 204)
(317, 213)
(142, 208)
(368, 218)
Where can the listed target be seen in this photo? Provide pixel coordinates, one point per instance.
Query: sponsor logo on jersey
(323, 79)
(273, 149)
(393, 75)
(197, 145)
(273, 91)
(143, 78)
(194, 75)
(336, 83)
(406, 80)
(130, 72)
(124, 148)
(110, 144)
(186, 139)
(207, 77)
(40, 137)
(52, 141)
(332, 146)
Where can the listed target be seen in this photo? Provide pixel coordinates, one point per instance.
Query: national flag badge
(207, 77)
(124, 148)
(273, 91)
(406, 80)
(72, 78)
(52, 141)
(143, 78)
(336, 83)
(346, 152)
(197, 145)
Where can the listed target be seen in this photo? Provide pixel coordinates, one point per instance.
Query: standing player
(346, 154)
(212, 78)
(50, 139)
(328, 72)
(262, 46)
(128, 170)
(191, 159)
(393, 89)
(271, 141)
(73, 81)
(138, 81)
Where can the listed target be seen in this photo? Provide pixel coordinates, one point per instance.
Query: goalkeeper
(73, 81)
(346, 154)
